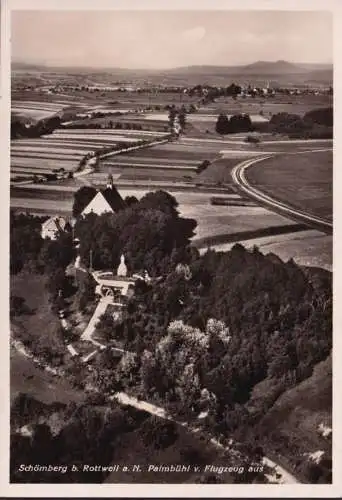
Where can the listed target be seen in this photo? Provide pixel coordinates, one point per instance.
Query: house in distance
(52, 227)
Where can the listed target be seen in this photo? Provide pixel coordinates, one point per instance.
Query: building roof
(55, 223)
(106, 200)
(114, 199)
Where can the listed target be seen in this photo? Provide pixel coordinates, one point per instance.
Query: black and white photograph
(171, 240)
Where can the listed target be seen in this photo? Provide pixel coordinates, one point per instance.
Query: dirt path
(280, 476)
(99, 311)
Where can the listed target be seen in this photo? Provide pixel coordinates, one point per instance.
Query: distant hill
(259, 68)
(21, 66)
(272, 68)
(279, 72)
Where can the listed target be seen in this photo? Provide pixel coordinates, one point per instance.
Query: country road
(239, 179)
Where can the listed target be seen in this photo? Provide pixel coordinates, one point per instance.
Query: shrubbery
(236, 123)
(279, 327)
(316, 124)
(42, 127)
(255, 139)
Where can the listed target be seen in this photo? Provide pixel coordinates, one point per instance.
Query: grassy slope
(304, 181)
(29, 379)
(32, 288)
(290, 427)
(25, 376)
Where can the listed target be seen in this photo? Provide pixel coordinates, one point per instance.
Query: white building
(106, 200)
(52, 227)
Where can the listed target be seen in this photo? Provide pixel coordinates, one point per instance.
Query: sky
(169, 39)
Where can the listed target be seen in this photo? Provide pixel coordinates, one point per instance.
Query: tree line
(46, 126)
(315, 124)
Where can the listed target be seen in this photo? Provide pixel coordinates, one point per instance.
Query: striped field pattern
(64, 148)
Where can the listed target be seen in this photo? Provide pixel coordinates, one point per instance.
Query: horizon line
(107, 67)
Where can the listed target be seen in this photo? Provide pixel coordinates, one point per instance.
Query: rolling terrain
(279, 72)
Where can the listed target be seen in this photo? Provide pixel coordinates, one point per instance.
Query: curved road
(239, 179)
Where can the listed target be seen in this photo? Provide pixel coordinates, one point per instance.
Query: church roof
(113, 198)
(106, 200)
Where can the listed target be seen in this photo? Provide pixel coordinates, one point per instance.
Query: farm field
(303, 181)
(63, 149)
(277, 145)
(215, 220)
(202, 116)
(36, 110)
(219, 172)
(296, 104)
(174, 161)
(307, 248)
(180, 159)
(117, 132)
(32, 164)
(257, 108)
(212, 220)
(123, 122)
(170, 152)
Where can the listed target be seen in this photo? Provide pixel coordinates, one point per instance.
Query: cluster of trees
(203, 335)
(191, 108)
(234, 124)
(25, 240)
(30, 252)
(279, 326)
(316, 124)
(47, 126)
(18, 306)
(150, 233)
(87, 435)
(177, 118)
(209, 93)
(274, 326)
(94, 434)
(45, 260)
(110, 124)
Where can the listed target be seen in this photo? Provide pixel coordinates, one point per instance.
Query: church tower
(110, 182)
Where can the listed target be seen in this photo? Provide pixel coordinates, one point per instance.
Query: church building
(105, 200)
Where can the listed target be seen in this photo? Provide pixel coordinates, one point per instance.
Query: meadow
(26, 377)
(303, 180)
